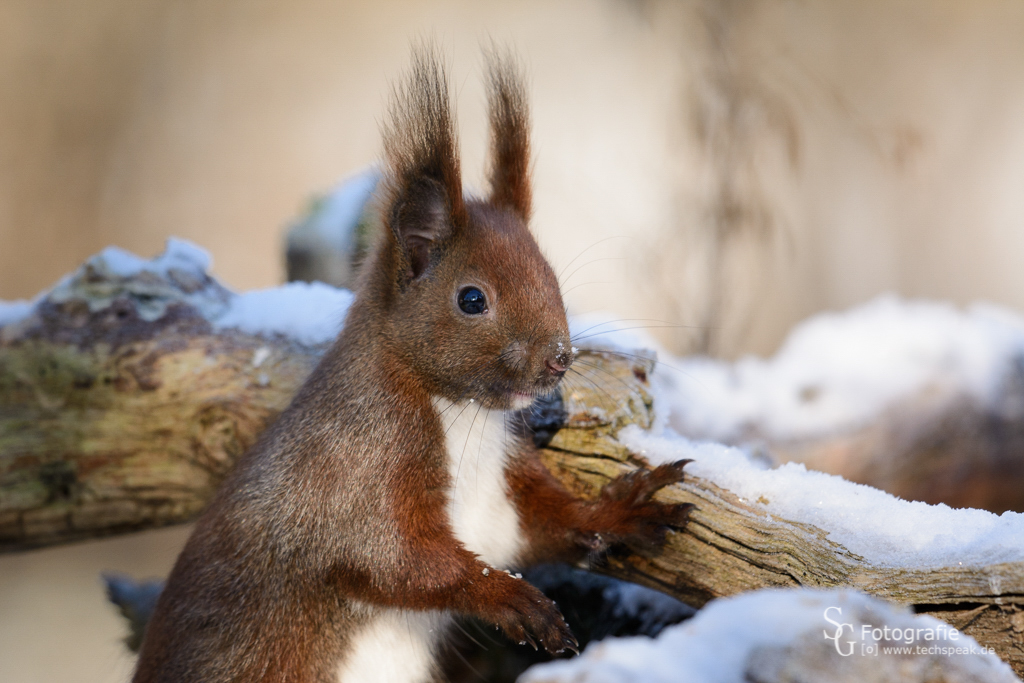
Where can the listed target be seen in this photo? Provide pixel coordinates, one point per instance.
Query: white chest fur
(482, 516)
(397, 646)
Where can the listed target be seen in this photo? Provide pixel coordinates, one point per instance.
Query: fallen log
(924, 400)
(126, 394)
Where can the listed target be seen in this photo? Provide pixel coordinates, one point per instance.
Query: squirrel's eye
(472, 301)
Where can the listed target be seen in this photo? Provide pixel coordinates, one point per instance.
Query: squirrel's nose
(555, 367)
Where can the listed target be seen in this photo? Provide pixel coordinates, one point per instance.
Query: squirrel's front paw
(628, 513)
(530, 617)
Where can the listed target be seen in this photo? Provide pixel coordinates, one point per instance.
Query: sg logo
(840, 627)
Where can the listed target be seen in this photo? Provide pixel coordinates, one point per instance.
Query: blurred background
(729, 166)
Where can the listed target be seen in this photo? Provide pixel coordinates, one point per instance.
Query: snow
(647, 605)
(335, 217)
(310, 313)
(716, 646)
(881, 528)
(178, 253)
(837, 371)
(321, 245)
(857, 363)
(15, 311)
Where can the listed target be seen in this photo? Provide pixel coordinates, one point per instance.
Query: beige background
(754, 162)
(879, 144)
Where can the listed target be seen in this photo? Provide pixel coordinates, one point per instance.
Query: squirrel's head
(464, 296)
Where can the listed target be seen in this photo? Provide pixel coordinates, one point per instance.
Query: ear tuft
(420, 220)
(423, 183)
(510, 134)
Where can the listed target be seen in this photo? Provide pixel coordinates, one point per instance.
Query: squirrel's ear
(419, 221)
(510, 134)
(424, 182)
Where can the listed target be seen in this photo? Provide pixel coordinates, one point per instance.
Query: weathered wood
(101, 440)
(939, 446)
(121, 408)
(730, 546)
(123, 411)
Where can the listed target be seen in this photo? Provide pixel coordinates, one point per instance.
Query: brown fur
(342, 502)
(510, 136)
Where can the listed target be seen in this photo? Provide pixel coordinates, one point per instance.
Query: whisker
(485, 634)
(455, 403)
(657, 362)
(458, 470)
(638, 327)
(635, 320)
(455, 650)
(633, 391)
(468, 404)
(467, 634)
(588, 263)
(480, 450)
(600, 388)
(583, 284)
(576, 258)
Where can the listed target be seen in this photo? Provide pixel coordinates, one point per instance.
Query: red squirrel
(395, 492)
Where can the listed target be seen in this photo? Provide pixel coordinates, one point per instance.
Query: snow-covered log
(781, 636)
(127, 391)
(920, 399)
